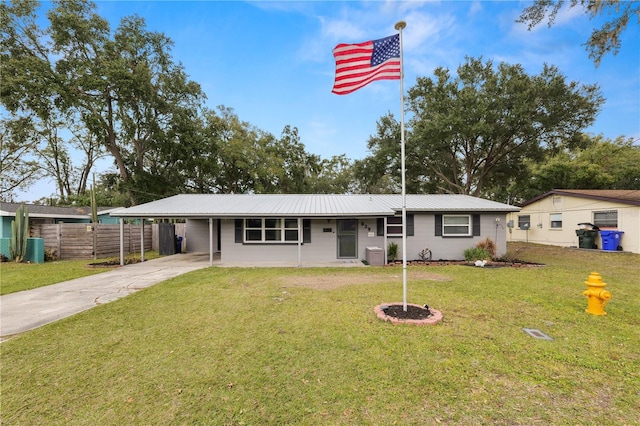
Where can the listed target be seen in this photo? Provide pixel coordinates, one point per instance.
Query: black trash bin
(587, 235)
(178, 245)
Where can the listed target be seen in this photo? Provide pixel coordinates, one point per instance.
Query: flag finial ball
(400, 25)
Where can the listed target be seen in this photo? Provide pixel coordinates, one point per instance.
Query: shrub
(488, 245)
(511, 255)
(476, 253)
(50, 255)
(392, 252)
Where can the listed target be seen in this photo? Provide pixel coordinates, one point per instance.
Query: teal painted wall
(5, 247)
(35, 249)
(5, 231)
(108, 219)
(63, 220)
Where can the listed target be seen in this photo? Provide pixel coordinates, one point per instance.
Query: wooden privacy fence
(180, 232)
(90, 241)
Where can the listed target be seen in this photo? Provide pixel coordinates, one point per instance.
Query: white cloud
(567, 15)
(340, 29)
(476, 7)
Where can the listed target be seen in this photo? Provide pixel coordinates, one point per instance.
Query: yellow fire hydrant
(597, 296)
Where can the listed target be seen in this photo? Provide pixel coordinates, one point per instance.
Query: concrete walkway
(26, 310)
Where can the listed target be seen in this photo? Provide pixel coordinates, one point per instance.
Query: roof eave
(579, 195)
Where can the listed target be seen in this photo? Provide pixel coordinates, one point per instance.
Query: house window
(456, 225)
(524, 222)
(555, 220)
(606, 219)
(271, 230)
(394, 226)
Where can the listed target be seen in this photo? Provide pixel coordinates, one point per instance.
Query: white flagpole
(400, 26)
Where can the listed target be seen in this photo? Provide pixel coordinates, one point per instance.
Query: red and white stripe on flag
(359, 64)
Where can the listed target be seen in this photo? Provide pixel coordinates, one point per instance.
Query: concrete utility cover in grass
(536, 333)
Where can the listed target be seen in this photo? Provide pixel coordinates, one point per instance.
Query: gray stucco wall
(197, 235)
(323, 246)
(452, 248)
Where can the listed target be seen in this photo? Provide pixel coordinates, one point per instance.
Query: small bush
(392, 252)
(488, 245)
(476, 253)
(512, 255)
(50, 255)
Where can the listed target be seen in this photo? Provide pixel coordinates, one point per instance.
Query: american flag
(359, 64)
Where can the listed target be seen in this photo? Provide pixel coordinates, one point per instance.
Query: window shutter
(238, 232)
(306, 230)
(438, 229)
(476, 225)
(380, 227)
(409, 225)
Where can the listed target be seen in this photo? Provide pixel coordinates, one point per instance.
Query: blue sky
(272, 62)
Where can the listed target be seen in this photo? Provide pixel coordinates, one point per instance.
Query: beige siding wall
(574, 210)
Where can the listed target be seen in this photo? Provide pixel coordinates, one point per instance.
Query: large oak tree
(124, 88)
(471, 133)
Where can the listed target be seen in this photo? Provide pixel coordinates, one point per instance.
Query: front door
(347, 238)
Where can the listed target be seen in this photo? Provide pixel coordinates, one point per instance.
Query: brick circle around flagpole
(435, 317)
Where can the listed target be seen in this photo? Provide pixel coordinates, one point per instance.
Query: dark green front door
(347, 238)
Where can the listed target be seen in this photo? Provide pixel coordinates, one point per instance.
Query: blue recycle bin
(610, 239)
(178, 245)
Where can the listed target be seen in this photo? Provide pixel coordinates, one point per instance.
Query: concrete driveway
(26, 310)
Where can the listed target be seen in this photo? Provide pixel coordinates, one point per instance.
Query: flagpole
(400, 25)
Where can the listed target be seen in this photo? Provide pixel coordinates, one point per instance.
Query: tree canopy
(78, 90)
(86, 88)
(599, 164)
(602, 40)
(471, 133)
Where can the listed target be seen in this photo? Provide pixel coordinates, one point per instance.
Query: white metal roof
(306, 205)
(56, 212)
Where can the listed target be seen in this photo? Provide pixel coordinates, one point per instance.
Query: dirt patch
(334, 281)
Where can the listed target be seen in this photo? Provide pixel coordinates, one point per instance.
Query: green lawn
(26, 276)
(302, 346)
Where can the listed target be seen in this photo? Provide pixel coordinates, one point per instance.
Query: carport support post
(300, 232)
(121, 241)
(210, 241)
(142, 239)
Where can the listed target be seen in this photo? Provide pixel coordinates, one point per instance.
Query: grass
(266, 346)
(26, 276)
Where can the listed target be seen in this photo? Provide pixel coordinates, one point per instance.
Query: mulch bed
(491, 264)
(112, 263)
(412, 312)
(415, 314)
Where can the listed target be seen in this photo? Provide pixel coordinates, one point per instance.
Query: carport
(142, 224)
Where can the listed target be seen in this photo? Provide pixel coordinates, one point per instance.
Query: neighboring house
(325, 228)
(39, 215)
(554, 217)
